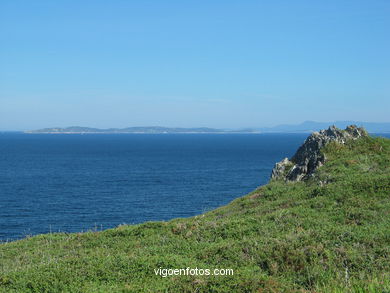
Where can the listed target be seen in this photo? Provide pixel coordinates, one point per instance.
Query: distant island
(305, 127)
(145, 129)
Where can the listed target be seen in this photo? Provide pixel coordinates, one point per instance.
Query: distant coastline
(136, 130)
(305, 127)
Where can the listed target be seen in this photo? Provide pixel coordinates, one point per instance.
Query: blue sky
(227, 64)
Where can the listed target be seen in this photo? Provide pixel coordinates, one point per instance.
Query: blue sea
(74, 182)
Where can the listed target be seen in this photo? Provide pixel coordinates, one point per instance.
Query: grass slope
(283, 237)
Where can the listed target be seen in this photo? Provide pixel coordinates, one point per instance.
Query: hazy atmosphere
(194, 146)
(226, 64)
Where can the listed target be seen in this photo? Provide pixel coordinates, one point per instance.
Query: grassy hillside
(283, 237)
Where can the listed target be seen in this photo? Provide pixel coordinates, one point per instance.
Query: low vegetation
(328, 234)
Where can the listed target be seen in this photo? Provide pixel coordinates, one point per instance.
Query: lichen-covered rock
(281, 168)
(309, 157)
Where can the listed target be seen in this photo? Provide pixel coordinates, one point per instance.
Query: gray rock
(309, 157)
(280, 168)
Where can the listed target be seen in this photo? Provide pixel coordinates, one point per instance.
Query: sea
(74, 183)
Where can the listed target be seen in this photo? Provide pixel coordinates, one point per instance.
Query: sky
(224, 64)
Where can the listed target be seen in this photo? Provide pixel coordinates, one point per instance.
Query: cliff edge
(309, 156)
(282, 237)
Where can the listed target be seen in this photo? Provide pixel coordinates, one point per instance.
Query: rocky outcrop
(309, 157)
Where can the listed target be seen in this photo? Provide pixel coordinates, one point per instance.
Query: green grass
(283, 237)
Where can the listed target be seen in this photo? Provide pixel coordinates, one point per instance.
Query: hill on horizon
(310, 126)
(304, 127)
(137, 129)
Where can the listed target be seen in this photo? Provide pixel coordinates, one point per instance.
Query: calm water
(79, 182)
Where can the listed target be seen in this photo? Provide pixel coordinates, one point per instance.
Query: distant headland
(146, 129)
(305, 127)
